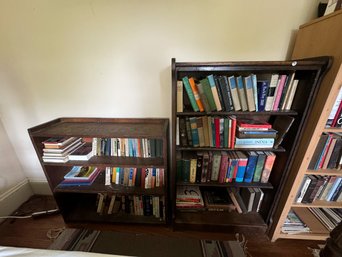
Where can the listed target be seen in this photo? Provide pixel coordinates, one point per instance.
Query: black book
(319, 183)
(188, 131)
(199, 167)
(226, 94)
(335, 156)
(310, 189)
(282, 124)
(257, 199)
(182, 132)
(318, 151)
(138, 178)
(219, 93)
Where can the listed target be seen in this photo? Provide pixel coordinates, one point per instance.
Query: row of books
(265, 92)
(229, 199)
(135, 177)
(327, 154)
(81, 176)
(61, 149)
(138, 205)
(225, 167)
(326, 188)
(128, 147)
(314, 220)
(230, 132)
(335, 116)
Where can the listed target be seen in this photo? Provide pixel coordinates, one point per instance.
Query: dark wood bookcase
(78, 203)
(308, 72)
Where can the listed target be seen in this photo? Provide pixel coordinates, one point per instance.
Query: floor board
(32, 233)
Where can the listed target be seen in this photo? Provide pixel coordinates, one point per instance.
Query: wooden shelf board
(231, 184)
(319, 204)
(332, 130)
(102, 128)
(327, 172)
(304, 236)
(190, 113)
(178, 148)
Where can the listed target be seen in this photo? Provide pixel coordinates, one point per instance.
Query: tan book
(200, 130)
(193, 168)
(205, 130)
(249, 93)
(179, 96)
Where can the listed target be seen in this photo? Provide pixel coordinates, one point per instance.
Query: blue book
(255, 91)
(262, 87)
(254, 142)
(333, 188)
(251, 164)
(242, 163)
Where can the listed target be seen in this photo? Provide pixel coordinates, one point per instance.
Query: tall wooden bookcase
(78, 204)
(309, 73)
(322, 36)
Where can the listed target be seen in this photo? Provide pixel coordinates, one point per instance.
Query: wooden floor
(32, 233)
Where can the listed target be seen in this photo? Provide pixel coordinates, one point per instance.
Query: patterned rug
(143, 245)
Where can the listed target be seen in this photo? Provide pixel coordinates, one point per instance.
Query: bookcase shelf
(308, 45)
(307, 72)
(79, 203)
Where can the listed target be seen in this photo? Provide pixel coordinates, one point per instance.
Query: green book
(207, 91)
(190, 93)
(259, 166)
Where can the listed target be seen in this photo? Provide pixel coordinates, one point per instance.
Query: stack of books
(254, 134)
(189, 197)
(294, 225)
(246, 199)
(57, 149)
(80, 176)
(329, 217)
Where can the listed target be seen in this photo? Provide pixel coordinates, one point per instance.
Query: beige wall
(112, 58)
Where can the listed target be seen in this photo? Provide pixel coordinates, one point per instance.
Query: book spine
(280, 89)
(190, 94)
(215, 92)
(179, 96)
(249, 93)
(250, 168)
(242, 95)
(270, 158)
(271, 90)
(262, 94)
(196, 94)
(242, 163)
(234, 93)
(291, 95)
(255, 91)
(208, 93)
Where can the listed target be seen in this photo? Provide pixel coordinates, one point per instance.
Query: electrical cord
(33, 215)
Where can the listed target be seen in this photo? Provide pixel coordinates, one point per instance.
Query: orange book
(196, 94)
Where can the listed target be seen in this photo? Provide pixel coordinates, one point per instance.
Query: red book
(337, 116)
(270, 158)
(253, 124)
(223, 167)
(143, 174)
(233, 129)
(217, 132)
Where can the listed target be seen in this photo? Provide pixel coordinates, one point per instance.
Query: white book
(260, 200)
(303, 189)
(292, 94)
(177, 131)
(108, 176)
(271, 92)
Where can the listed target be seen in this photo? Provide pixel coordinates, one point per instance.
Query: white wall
(112, 58)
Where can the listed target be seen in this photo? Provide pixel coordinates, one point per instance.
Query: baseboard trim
(40, 187)
(14, 197)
